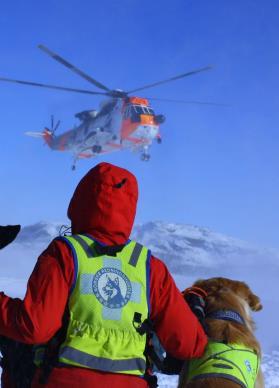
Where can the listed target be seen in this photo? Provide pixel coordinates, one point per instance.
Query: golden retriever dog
(230, 329)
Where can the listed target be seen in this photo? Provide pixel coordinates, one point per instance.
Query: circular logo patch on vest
(112, 288)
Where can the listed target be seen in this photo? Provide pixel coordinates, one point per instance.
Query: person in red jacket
(103, 208)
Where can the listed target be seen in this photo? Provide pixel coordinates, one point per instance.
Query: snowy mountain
(190, 252)
(42, 232)
(188, 247)
(182, 247)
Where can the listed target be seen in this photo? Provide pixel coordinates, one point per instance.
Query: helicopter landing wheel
(73, 167)
(145, 157)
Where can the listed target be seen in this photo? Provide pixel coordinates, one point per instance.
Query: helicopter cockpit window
(133, 111)
(143, 110)
(150, 111)
(139, 109)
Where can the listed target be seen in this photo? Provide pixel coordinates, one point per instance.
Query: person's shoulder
(58, 244)
(158, 263)
(159, 271)
(57, 250)
(58, 255)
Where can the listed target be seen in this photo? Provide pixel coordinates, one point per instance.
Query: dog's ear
(252, 299)
(254, 302)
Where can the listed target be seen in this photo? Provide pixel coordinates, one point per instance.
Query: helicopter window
(140, 109)
(135, 110)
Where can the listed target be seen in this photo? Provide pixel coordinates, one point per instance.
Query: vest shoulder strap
(93, 248)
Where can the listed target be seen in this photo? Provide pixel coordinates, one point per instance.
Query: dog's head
(227, 294)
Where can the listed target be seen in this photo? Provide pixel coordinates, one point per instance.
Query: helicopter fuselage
(120, 123)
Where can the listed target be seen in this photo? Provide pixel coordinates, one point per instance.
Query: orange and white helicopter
(122, 122)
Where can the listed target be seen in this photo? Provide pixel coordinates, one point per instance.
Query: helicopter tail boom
(46, 135)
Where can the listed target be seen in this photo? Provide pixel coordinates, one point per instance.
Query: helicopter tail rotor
(53, 126)
(48, 133)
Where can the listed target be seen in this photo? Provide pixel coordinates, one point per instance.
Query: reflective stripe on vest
(101, 363)
(230, 361)
(107, 292)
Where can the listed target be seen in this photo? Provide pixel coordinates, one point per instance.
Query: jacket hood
(104, 204)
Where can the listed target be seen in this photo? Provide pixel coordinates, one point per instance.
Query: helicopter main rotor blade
(73, 68)
(51, 86)
(186, 101)
(171, 79)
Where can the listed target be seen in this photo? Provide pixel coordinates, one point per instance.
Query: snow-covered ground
(190, 252)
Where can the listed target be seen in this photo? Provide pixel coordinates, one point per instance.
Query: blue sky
(217, 166)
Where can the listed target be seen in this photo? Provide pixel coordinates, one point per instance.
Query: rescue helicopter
(123, 121)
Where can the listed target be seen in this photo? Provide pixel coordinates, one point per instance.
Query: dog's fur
(234, 295)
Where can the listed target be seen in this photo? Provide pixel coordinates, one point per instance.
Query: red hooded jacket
(103, 206)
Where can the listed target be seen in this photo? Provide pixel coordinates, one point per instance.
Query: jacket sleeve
(178, 329)
(37, 317)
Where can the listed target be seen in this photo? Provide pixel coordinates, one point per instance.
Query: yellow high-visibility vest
(108, 290)
(234, 362)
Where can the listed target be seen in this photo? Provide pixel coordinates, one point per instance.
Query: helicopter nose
(147, 120)
(147, 131)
